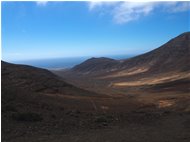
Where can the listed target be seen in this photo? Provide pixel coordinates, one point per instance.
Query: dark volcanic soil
(35, 117)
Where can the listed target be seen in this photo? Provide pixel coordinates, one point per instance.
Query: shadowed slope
(172, 55)
(37, 80)
(95, 65)
(168, 63)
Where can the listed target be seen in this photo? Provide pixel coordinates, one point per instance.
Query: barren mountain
(37, 80)
(39, 106)
(168, 64)
(172, 55)
(95, 65)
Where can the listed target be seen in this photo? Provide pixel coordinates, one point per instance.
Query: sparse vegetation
(27, 116)
(103, 119)
(10, 108)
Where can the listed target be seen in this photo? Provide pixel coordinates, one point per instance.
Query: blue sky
(37, 30)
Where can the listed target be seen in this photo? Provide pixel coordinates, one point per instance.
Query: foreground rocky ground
(40, 118)
(172, 128)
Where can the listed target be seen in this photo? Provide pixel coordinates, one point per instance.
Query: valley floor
(165, 127)
(43, 118)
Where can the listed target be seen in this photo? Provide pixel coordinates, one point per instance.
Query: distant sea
(62, 63)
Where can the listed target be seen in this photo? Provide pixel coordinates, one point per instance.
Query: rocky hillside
(96, 65)
(173, 55)
(36, 80)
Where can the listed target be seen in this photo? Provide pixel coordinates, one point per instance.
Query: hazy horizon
(63, 62)
(44, 30)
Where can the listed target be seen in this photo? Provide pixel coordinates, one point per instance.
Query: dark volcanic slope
(95, 65)
(164, 65)
(174, 55)
(36, 80)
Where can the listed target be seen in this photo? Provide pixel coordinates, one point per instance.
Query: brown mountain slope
(37, 80)
(172, 55)
(95, 65)
(168, 63)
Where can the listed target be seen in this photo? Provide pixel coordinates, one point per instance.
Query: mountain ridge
(37, 80)
(164, 65)
(175, 50)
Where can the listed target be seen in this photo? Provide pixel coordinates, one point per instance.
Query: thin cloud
(124, 12)
(174, 7)
(130, 11)
(41, 3)
(96, 4)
